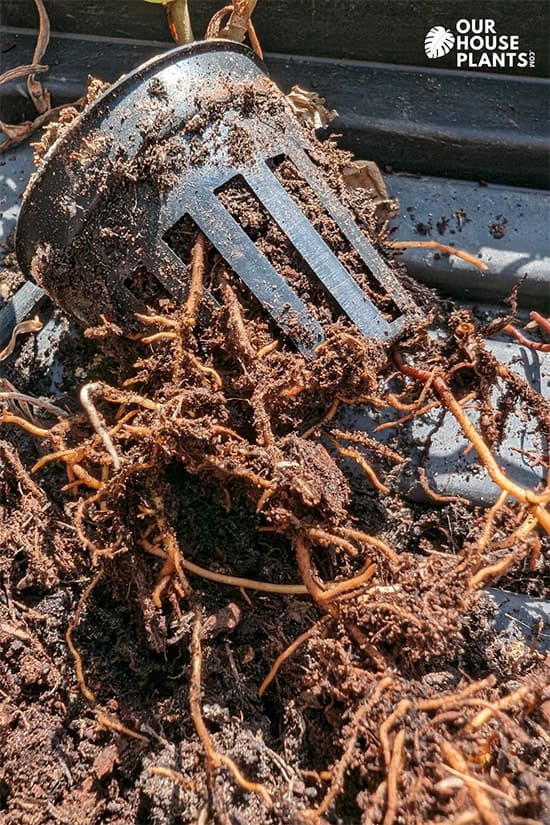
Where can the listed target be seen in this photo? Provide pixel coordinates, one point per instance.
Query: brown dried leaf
(365, 174)
(309, 108)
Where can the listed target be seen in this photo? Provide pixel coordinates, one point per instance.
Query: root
(267, 349)
(12, 458)
(85, 478)
(81, 510)
(176, 777)
(86, 394)
(158, 320)
(118, 727)
(198, 266)
(231, 581)
(540, 321)
(400, 711)
(160, 336)
(339, 770)
(287, 653)
(479, 797)
(327, 539)
(351, 452)
(436, 496)
(497, 570)
(212, 373)
(214, 758)
(456, 699)
(369, 541)
(9, 418)
(440, 247)
(511, 699)
(354, 583)
(173, 566)
(303, 559)
(371, 443)
(526, 342)
(246, 584)
(394, 769)
(535, 501)
(327, 417)
(79, 669)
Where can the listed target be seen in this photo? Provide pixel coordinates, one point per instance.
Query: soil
(401, 704)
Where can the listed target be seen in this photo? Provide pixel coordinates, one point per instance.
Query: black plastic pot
(468, 153)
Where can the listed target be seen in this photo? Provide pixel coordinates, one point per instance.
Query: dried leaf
(309, 108)
(15, 132)
(365, 174)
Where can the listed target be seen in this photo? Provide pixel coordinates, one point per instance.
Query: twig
(35, 402)
(21, 71)
(179, 21)
(17, 132)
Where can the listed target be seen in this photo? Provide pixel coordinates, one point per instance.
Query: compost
(218, 603)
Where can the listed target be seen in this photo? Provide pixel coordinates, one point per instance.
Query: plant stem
(179, 21)
(237, 26)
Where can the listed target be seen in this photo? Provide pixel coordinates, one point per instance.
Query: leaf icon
(438, 42)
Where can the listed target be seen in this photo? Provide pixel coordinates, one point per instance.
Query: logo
(478, 45)
(438, 42)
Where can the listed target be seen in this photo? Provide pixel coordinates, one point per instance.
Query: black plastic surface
(386, 31)
(432, 121)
